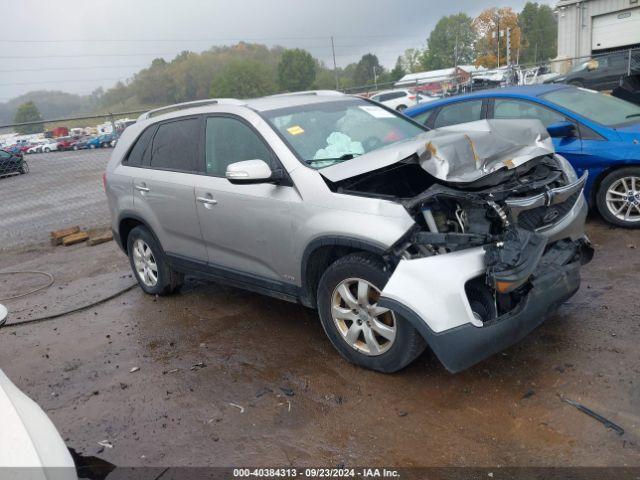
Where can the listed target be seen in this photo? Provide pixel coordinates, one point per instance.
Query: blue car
(595, 132)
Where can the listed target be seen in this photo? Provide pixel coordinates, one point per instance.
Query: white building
(586, 27)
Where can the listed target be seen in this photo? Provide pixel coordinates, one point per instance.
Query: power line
(62, 81)
(214, 39)
(70, 68)
(22, 57)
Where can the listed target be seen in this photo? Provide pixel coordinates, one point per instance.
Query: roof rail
(185, 105)
(309, 92)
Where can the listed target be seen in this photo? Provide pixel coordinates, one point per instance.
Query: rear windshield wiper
(346, 156)
(633, 115)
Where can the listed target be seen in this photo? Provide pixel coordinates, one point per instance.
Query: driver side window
(228, 141)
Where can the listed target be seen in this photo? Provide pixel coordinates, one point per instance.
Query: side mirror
(249, 171)
(561, 129)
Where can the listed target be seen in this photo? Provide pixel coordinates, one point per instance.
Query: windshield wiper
(633, 115)
(346, 156)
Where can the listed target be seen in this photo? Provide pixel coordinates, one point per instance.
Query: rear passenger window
(141, 151)
(175, 146)
(229, 141)
(461, 112)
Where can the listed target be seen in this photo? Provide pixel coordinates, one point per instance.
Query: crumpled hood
(460, 153)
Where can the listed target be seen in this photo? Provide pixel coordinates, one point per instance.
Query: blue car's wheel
(618, 197)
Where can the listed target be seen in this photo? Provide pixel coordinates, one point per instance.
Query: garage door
(616, 29)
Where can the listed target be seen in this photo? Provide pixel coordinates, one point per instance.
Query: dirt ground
(229, 378)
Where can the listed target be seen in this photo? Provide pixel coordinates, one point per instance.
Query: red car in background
(65, 143)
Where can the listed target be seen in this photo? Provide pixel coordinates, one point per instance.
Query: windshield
(323, 134)
(603, 109)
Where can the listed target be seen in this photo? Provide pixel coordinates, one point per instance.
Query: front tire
(401, 108)
(364, 333)
(618, 197)
(149, 264)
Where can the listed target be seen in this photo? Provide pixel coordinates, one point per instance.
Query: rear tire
(149, 264)
(394, 340)
(24, 168)
(611, 197)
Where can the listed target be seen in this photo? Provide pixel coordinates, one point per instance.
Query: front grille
(541, 216)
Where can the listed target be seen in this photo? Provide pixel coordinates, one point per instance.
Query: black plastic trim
(307, 295)
(234, 278)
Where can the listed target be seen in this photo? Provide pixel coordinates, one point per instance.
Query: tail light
(411, 97)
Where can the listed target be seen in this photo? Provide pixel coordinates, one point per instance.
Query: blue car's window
(509, 108)
(602, 109)
(461, 112)
(422, 117)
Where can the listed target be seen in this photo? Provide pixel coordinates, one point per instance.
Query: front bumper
(469, 341)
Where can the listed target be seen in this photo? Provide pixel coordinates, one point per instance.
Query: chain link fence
(49, 183)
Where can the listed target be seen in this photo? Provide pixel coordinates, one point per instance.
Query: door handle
(207, 201)
(141, 188)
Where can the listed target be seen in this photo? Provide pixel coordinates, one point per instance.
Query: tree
(491, 27)
(450, 43)
(398, 71)
(296, 70)
(411, 60)
(367, 69)
(243, 79)
(28, 112)
(539, 33)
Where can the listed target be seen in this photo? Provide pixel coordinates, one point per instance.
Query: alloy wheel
(145, 263)
(364, 326)
(623, 199)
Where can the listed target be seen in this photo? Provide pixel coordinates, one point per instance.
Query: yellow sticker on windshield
(296, 130)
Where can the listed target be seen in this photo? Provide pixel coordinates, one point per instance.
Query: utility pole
(335, 68)
(375, 77)
(498, 35)
(508, 46)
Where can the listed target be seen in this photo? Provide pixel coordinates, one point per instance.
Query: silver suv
(463, 238)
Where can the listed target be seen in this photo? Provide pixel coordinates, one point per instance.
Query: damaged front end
(498, 240)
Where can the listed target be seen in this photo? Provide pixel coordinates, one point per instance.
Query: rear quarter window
(140, 153)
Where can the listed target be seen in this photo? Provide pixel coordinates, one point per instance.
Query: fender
(307, 295)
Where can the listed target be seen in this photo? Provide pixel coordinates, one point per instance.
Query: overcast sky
(79, 45)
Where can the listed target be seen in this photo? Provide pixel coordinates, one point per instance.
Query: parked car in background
(30, 445)
(15, 149)
(595, 132)
(35, 148)
(79, 144)
(65, 143)
(49, 145)
(396, 234)
(101, 141)
(12, 163)
(602, 72)
(399, 99)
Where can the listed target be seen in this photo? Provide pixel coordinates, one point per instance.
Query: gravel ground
(61, 189)
(233, 378)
